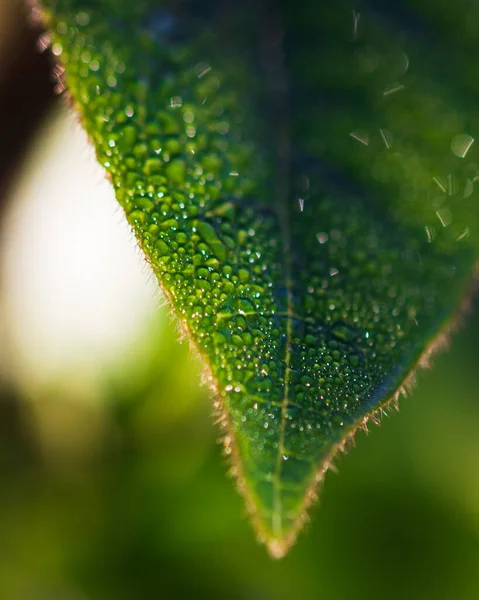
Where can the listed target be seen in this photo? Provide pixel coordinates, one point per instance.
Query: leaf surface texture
(302, 178)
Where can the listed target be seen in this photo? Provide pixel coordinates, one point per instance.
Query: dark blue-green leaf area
(303, 180)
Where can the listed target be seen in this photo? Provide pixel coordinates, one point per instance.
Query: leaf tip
(278, 547)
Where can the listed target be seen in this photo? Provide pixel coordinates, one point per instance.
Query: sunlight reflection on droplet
(360, 136)
(461, 143)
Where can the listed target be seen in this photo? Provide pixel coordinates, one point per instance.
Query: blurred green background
(112, 484)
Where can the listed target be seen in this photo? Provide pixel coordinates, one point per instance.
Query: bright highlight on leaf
(303, 180)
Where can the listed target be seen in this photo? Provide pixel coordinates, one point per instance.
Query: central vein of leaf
(283, 196)
(277, 503)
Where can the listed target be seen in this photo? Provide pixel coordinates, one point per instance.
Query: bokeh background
(112, 484)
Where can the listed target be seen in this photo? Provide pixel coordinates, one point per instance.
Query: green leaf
(304, 185)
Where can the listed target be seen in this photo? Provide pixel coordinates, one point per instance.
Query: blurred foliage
(149, 513)
(125, 497)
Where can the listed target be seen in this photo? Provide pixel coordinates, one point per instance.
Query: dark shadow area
(26, 93)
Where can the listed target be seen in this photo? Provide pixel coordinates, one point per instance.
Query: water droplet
(176, 102)
(322, 237)
(354, 360)
(243, 305)
(360, 136)
(57, 49)
(386, 137)
(461, 144)
(393, 88)
(202, 69)
(210, 237)
(83, 19)
(176, 171)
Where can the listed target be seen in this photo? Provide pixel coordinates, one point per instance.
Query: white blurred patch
(77, 295)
